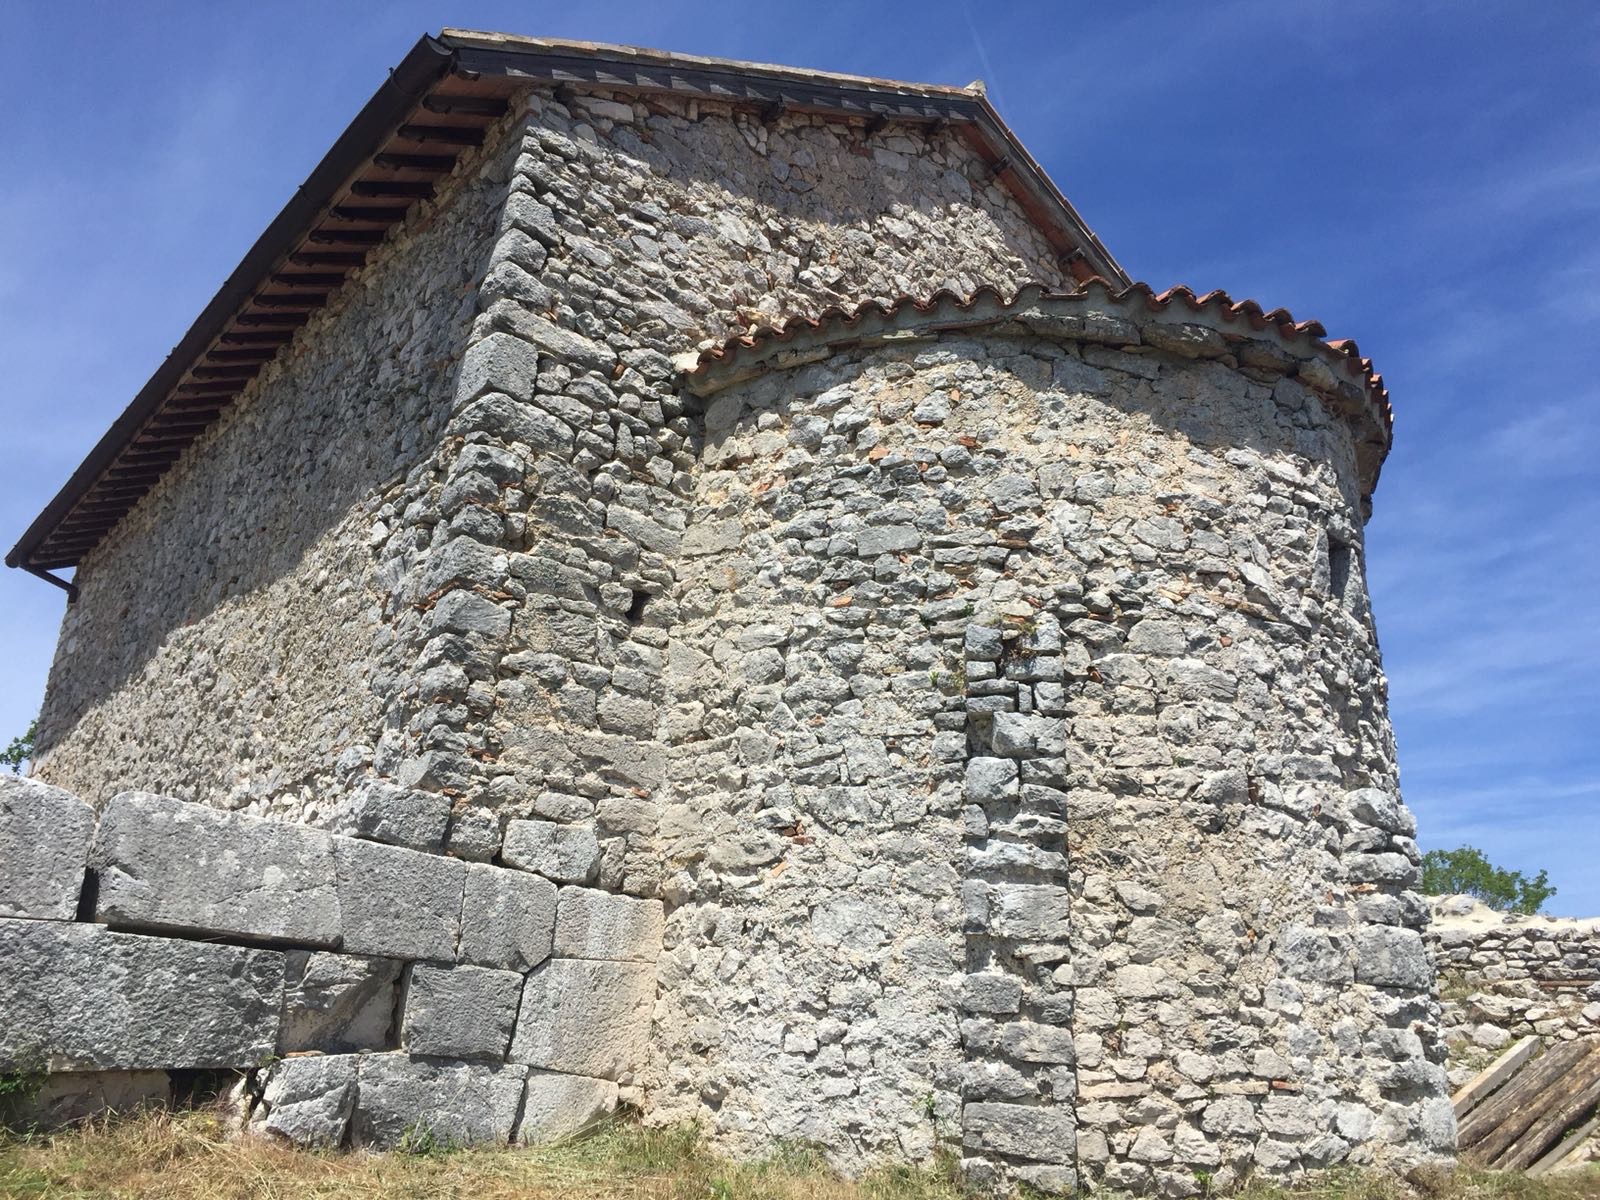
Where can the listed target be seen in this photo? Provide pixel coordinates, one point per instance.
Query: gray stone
(460, 1012)
(1391, 957)
(558, 1106)
(1373, 806)
(44, 845)
(309, 1101)
(990, 780)
(1042, 1133)
(1313, 956)
(564, 853)
(405, 1101)
(167, 865)
(79, 997)
(887, 539)
(983, 643)
(337, 1003)
(400, 816)
(594, 924)
(991, 992)
(586, 1018)
(507, 918)
(399, 903)
(1035, 912)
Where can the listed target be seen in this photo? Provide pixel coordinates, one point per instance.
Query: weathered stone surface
(403, 1099)
(460, 1012)
(1390, 957)
(309, 1101)
(44, 844)
(167, 865)
(337, 1003)
(564, 853)
(83, 998)
(400, 816)
(585, 1018)
(594, 924)
(507, 918)
(1044, 1133)
(70, 1097)
(557, 1106)
(399, 903)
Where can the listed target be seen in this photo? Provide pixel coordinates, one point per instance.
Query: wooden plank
(1565, 1148)
(1512, 1103)
(1493, 1076)
(1565, 1105)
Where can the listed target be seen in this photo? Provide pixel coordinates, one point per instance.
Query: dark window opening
(1341, 557)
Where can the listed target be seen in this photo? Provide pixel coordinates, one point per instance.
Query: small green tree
(20, 750)
(1466, 870)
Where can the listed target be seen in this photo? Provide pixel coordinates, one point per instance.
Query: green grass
(187, 1156)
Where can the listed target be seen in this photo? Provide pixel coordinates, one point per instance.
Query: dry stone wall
(402, 993)
(1505, 976)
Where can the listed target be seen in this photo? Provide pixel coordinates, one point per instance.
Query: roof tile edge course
(1096, 311)
(60, 536)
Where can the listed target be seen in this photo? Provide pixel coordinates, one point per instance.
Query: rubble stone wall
(1504, 976)
(997, 714)
(365, 993)
(1033, 783)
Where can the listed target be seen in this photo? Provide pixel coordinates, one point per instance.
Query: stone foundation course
(377, 995)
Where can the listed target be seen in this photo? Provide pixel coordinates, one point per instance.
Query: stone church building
(704, 586)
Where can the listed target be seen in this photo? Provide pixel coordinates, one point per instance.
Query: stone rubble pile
(1505, 976)
(380, 992)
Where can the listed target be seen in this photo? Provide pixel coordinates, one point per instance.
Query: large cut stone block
(44, 844)
(399, 903)
(168, 865)
(557, 1106)
(593, 924)
(1042, 1133)
(460, 1012)
(337, 1003)
(564, 853)
(400, 816)
(82, 998)
(586, 1018)
(309, 1101)
(508, 918)
(402, 1099)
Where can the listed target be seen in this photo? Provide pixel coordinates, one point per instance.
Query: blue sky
(1423, 177)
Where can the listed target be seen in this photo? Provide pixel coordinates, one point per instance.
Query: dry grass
(186, 1156)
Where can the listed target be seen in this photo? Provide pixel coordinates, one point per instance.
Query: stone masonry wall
(1033, 784)
(185, 662)
(999, 718)
(366, 994)
(1504, 976)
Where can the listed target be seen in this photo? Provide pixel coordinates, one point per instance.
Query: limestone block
(77, 997)
(400, 816)
(1312, 955)
(507, 918)
(460, 1011)
(337, 1003)
(557, 1106)
(1391, 957)
(309, 1101)
(44, 844)
(564, 853)
(594, 924)
(401, 1099)
(70, 1097)
(399, 903)
(991, 780)
(1036, 912)
(167, 865)
(1042, 1133)
(586, 1018)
